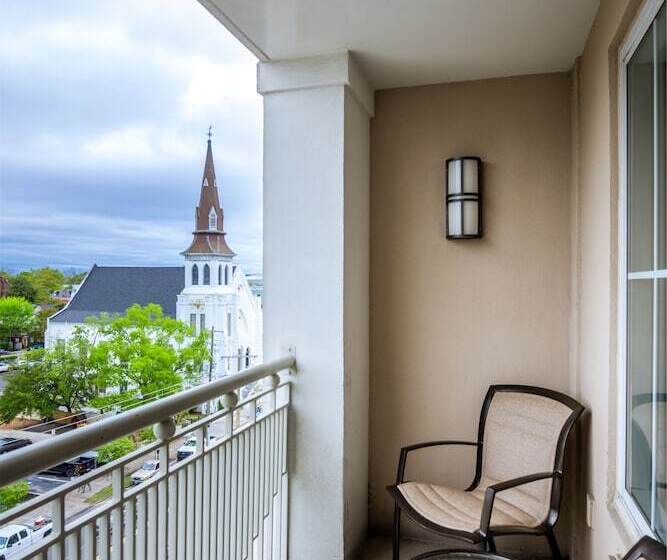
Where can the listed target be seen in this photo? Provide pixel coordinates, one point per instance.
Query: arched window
(195, 275)
(207, 275)
(212, 220)
(247, 357)
(220, 274)
(226, 275)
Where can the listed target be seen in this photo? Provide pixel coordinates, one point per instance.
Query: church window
(193, 321)
(229, 324)
(226, 275)
(207, 275)
(195, 275)
(202, 322)
(220, 274)
(212, 220)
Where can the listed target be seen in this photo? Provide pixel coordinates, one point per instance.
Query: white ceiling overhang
(412, 42)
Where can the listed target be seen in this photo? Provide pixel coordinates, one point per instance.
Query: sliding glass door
(646, 277)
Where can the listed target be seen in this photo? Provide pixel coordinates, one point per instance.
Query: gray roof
(112, 289)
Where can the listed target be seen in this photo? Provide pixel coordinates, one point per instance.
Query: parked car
(4, 368)
(8, 444)
(189, 447)
(37, 346)
(148, 470)
(14, 539)
(76, 466)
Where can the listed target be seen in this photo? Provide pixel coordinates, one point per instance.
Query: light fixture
(463, 186)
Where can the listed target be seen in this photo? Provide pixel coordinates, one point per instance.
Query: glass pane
(470, 176)
(661, 68)
(640, 156)
(640, 392)
(470, 217)
(660, 520)
(454, 177)
(454, 217)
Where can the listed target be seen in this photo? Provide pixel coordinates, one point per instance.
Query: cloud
(103, 109)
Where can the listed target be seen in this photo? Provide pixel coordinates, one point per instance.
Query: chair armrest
(405, 450)
(491, 491)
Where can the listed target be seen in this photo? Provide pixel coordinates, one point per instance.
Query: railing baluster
(130, 527)
(198, 498)
(228, 501)
(182, 513)
(152, 523)
(103, 536)
(117, 515)
(206, 508)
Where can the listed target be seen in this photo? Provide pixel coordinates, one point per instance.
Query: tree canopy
(21, 286)
(17, 316)
(61, 378)
(144, 352)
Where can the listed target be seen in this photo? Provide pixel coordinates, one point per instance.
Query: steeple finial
(210, 133)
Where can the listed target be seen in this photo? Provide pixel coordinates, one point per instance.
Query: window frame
(624, 504)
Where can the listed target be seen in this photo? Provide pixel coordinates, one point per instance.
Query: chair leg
(490, 545)
(396, 537)
(553, 545)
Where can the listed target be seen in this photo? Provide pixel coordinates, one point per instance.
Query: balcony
(227, 499)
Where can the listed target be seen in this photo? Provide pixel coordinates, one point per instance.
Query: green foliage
(13, 494)
(45, 280)
(144, 352)
(63, 377)
(147, 435)
(75, 278)
(115, 450)
(21, 286)
(17, 316)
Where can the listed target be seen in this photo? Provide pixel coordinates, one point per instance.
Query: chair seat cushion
(460, 510)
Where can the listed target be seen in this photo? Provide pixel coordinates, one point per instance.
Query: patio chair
(647, 549)
(518, 478)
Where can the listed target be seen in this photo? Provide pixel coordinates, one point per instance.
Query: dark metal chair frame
(485, 535)
(647, 548)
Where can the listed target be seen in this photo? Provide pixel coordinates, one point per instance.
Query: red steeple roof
(209, 235)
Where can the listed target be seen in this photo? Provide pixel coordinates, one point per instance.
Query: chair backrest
(524, 430)
(647, 549)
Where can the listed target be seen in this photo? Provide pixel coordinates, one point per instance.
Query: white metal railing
(227, 500)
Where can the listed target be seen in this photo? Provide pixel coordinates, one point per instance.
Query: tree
(61, 378)
(21, 286)
(115, 450)
(45, 281)
(17, 316)
(144, 352)
(13, 494)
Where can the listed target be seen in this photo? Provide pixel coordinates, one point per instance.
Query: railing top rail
(42, 455)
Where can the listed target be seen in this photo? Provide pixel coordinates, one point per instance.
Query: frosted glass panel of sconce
(470, 217)
(470, 176)
(454, 218)
(454, 175)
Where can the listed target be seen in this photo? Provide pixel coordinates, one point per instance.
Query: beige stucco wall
(449, 318)
(594, 375)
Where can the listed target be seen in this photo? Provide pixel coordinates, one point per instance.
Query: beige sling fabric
(458, 509)
(521, 436)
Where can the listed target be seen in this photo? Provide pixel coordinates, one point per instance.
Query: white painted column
(316, 270)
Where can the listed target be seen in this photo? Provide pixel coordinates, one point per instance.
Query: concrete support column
(316, 271)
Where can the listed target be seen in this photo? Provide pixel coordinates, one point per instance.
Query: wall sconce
(464, 197)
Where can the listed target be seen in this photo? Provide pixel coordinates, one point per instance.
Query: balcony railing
(228, 499)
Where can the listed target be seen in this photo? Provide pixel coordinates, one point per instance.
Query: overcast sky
(104, 108)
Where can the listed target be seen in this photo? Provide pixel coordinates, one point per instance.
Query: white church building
(210, 292)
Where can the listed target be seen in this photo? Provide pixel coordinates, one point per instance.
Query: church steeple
(209, 235)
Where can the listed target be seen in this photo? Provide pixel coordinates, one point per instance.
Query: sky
(104, 109)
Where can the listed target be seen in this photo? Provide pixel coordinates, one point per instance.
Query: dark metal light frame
(462, 196)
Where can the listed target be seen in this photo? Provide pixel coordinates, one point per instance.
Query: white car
(189, 447)
(148, 470)
(4, 368)
(14, 539)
